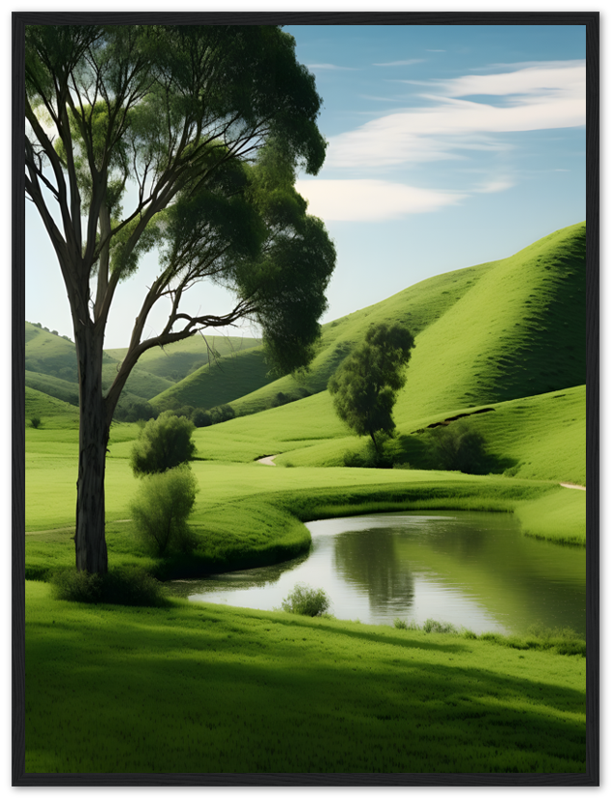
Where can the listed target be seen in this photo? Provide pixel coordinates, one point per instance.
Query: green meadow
(195, 687)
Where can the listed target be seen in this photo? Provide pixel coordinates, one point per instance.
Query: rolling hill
(508, 335)
(51, 365)
(489, 333)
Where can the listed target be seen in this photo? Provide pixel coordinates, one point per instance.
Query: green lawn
(201, 688)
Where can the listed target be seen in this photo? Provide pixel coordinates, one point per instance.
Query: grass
(558, 516)
(218, 382)
(204, 688)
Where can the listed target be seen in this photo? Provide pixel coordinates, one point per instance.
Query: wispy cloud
(489, 187)
(328, 66)
(406, 63)
(551, 95)
(370, 200)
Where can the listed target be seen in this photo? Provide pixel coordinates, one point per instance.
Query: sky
(448, 146)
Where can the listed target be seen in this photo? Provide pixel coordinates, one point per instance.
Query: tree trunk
(90, 542)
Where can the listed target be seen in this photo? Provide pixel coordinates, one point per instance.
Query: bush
(369, 457)
(183, 411)
(128, 586)
(161, 508)
(163, 443)
(201, 418)
(432, 626)
(457, 447)
(306, 601)
(221, 413)
(35, 422)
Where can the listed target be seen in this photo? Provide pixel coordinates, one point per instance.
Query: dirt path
(268, 460)
(573, 486)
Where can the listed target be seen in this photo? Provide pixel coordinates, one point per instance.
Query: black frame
(591, 20)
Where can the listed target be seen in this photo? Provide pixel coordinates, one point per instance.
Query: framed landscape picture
(305, 399)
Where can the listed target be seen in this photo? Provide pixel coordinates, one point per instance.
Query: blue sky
(448, 146)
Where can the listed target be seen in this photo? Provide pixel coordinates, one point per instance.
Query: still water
(475, 570)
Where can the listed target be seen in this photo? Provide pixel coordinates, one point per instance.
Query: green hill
(497, 331)
(177, 361)
(52, 412)
(221, 381)
(51, 366)
(509, 335)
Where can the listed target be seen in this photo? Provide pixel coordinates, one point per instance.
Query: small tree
(161, 508)
(366, 383)
(162, 444)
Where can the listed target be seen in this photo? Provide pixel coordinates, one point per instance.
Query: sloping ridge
(518, 332)
(494, 332)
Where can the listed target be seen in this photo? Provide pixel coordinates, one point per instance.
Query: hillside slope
(497, 331)
(221, 381)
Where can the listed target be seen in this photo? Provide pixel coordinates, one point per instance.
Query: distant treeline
(44, 328)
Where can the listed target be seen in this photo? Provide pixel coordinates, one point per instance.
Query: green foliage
(306, 601)
(432, 626)
(35, 422)
(160, 510)
(201, 418)
(163, 443)
(134, 410)
(221, 414)
(126, 586)
(367, 382)
(458, 447)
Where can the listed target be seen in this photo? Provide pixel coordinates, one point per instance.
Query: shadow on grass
(418, 451)
(178, 694)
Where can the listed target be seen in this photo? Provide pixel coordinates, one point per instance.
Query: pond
(474, 570)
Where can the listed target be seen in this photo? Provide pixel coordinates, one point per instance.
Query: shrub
(432, 626)
(201, 418)
(457, 447)
(161, 508)
(369, 457)
(183, 411)
(163, 444)
(128, 586)
(35, 421)
(306, 601)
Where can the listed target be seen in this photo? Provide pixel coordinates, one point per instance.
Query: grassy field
(200, 688)
(204, 688)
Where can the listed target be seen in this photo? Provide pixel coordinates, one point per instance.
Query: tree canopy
(366, 383)
(162, 444)
(184, 140)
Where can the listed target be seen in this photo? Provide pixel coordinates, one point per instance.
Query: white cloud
(370, 200)
(537, 98)
(557, 79)
(499, 185)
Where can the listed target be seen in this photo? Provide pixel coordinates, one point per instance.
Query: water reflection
(474, 570)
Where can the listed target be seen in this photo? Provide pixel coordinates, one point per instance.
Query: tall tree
(366, 383)
(199, 132)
